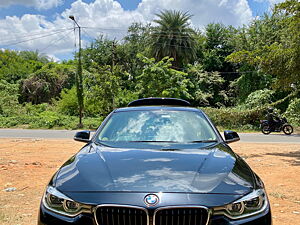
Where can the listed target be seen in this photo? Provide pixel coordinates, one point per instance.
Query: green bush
(293, 111)
(35, 110)
(235, 118)
(9, 104)
(48, 120)
(258, 98)
(68, 103)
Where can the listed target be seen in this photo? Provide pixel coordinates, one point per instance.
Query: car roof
(159, 101)
(162, 107)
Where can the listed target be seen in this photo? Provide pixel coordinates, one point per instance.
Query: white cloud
(275, 1)
(25, 34)
(53, 58)
(39, 4)
(112, 18)
(233, 12)
(271, 2)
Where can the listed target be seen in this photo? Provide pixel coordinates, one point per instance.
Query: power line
(19, 42)
(56, 41)
(101, 28)
(88, 34)
(34, 34)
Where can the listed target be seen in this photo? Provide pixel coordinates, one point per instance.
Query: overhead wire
(88, 34)
(56, 41)
(33, 34)
(19, 42)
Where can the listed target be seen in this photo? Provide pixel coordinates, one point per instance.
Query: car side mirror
(231, 136)
(83, 136)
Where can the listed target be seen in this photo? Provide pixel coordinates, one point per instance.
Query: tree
(158, 79)
(217, 46)
(99, 52)
(206, 87)
(102, 88)
(15, 66)
(136, 41)
(47, 83)
(173, 38)
(278, 52)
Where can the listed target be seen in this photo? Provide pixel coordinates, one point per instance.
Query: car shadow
(295, 155)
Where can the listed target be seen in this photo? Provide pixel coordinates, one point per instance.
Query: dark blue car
(156, 162)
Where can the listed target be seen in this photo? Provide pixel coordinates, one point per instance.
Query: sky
(44, 25)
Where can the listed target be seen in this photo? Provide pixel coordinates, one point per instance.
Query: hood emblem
(151, 200)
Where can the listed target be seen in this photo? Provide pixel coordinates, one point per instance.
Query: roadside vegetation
(233, 74)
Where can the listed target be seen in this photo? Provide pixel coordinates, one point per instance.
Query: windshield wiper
(204, 141)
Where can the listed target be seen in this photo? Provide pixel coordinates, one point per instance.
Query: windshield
(157, 126)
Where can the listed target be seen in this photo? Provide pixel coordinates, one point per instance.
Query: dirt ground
(28, 164)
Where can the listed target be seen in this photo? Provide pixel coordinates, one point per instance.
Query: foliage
(250, 81)
(15, 66)
(34, 110)
(68, 103)
(48, 120)
(259, 98)
(205, 87)
(293, 112)
(47, 83)
(280, 55)
(99, 52)
(101, 88)
(217, 46)
(235, 118)
(9, 99)
(173, 38)
(158, 79)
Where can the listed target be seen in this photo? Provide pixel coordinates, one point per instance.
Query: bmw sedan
(156, 162)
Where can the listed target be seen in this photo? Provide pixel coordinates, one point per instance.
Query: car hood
(214, 169)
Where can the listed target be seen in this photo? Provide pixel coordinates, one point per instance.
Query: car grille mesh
(181, 216)
(115, 215)
(121, 216)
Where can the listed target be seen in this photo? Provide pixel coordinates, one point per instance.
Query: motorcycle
(281, 125)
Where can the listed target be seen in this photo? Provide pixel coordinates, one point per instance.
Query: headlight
(59, 203)
(250, 205)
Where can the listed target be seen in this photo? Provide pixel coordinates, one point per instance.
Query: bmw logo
(151, 199)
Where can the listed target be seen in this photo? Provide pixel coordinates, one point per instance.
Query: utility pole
(113, 56)
(113, 68)
(79, 85)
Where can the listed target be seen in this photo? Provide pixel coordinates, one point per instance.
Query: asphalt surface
(69, 134)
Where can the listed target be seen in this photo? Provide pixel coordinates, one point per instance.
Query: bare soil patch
(28, 164)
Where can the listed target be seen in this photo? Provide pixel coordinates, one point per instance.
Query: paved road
(60, 134)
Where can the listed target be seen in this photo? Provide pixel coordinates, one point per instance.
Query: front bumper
(47, 217)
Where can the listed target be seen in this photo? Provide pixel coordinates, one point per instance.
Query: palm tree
(173, 37)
